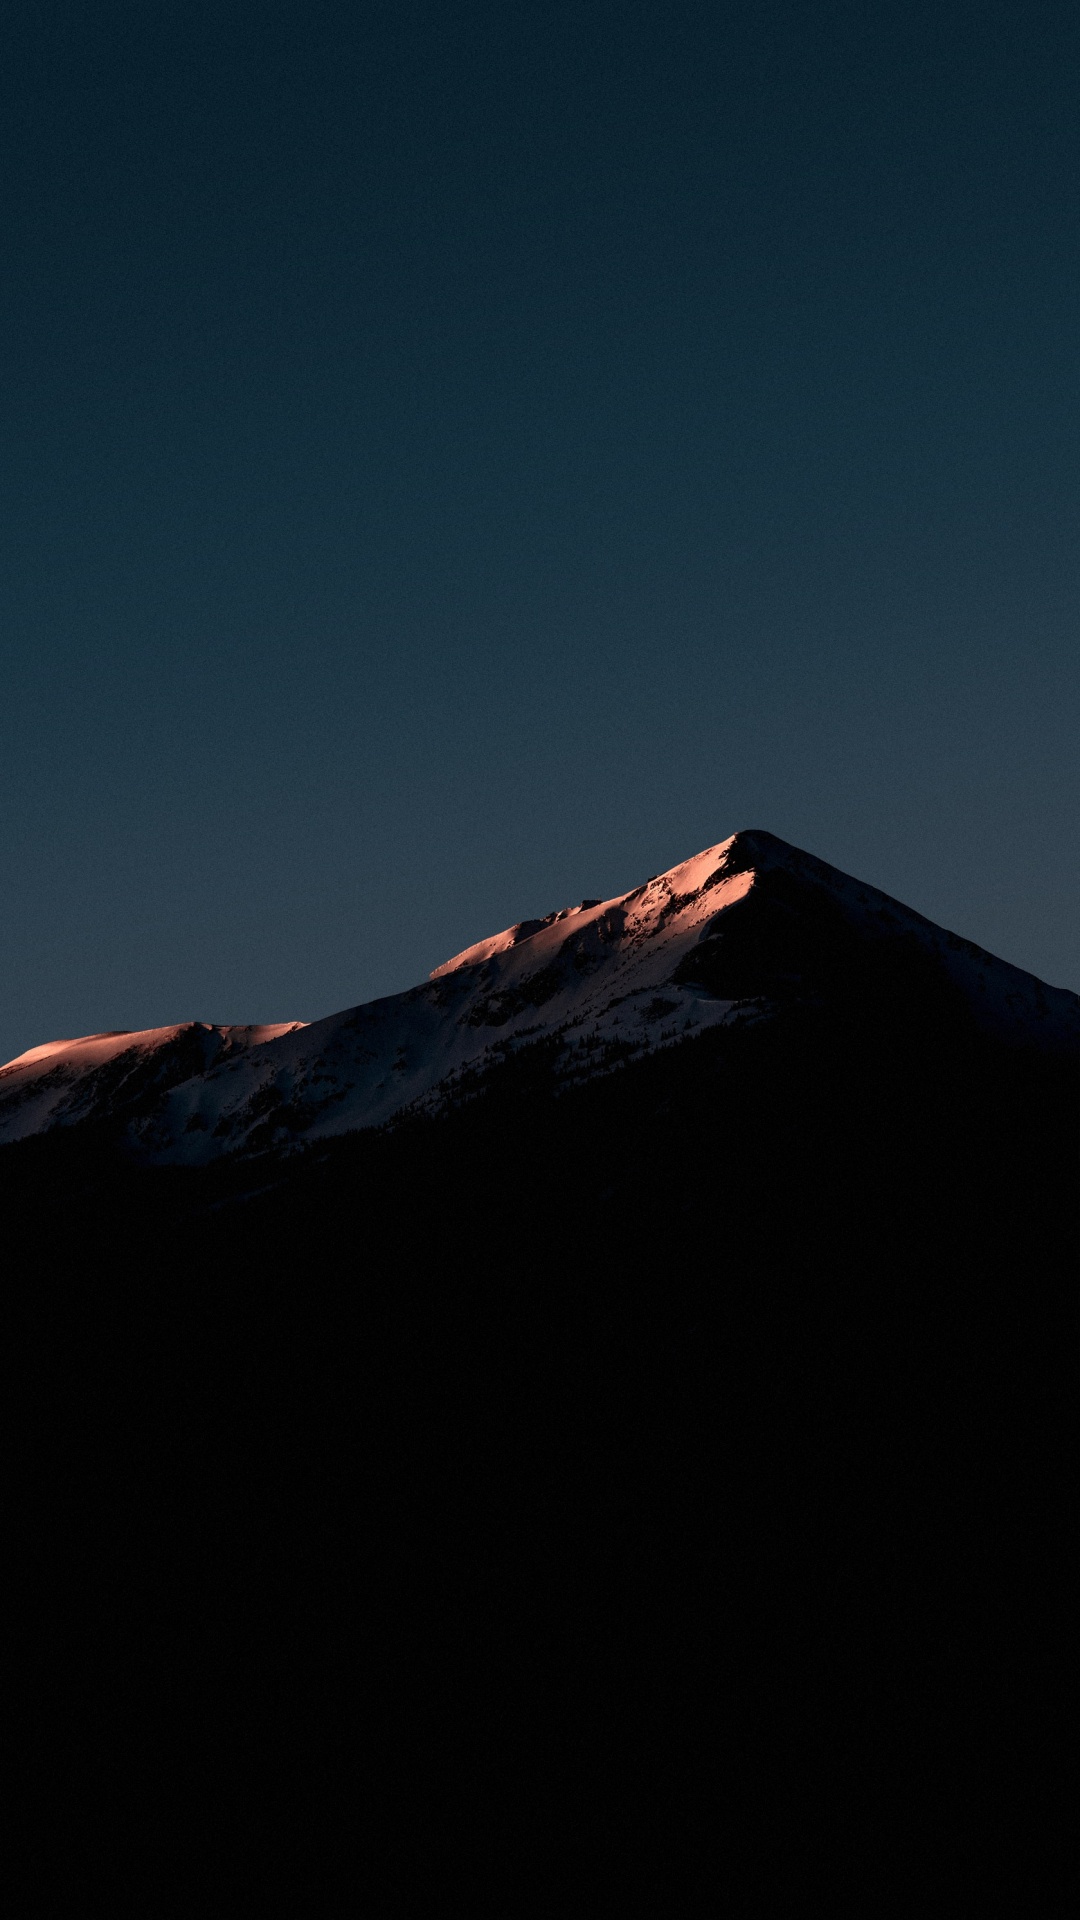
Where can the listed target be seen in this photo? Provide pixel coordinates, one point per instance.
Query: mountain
(734, 935)
(645, 1461)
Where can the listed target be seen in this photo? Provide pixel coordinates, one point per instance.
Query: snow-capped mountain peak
(739, 930)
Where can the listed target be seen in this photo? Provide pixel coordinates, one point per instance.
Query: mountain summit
(741, 932)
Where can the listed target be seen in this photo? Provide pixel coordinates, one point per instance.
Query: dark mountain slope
(584, 1493)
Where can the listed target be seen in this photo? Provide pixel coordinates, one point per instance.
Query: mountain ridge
(746, 926)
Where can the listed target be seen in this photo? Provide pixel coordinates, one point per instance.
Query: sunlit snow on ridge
(686, 879)
(66, 1081)
(94, 1048)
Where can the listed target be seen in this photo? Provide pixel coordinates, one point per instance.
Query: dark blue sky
(457, 458)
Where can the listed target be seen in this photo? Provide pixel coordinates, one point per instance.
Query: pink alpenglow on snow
(66, 1081)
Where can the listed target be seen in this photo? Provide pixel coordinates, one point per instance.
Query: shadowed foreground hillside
(570, 1498)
